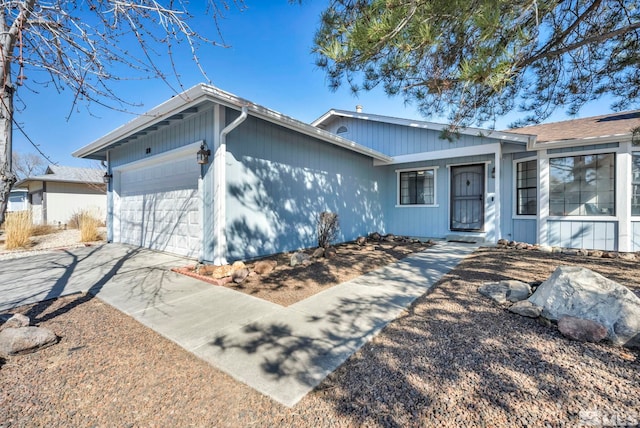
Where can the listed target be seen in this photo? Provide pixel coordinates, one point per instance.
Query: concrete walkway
(282, 352)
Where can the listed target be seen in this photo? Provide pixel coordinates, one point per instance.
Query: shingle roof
(607, 125)
(68, 174)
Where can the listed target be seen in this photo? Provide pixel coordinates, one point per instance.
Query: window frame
(515, 187)
(399, 172)
(634, 153)
(577, 217)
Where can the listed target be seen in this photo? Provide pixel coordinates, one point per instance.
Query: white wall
(65, 199)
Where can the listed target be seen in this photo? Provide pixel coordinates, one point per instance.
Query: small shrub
(17, 229)
(89, 224)
(328, 226)
(42, 229)
(74, 220)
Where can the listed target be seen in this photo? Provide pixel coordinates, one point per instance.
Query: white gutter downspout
(220, 193)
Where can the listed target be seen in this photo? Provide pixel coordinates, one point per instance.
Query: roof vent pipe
(358, 108)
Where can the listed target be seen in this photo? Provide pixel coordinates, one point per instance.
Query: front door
(467, 198)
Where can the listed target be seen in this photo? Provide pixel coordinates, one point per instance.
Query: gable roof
(613, 126)
(189, 102)
(476, 132)
(67, 174)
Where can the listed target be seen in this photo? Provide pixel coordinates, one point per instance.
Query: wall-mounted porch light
(203, 154)
(106, 178)
(493, 172)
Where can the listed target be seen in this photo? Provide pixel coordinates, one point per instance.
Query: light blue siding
(395, 140)
(598, 235)
(180, 133)
(524, 230)
(583, 148)
(432, 222)
(278, 181)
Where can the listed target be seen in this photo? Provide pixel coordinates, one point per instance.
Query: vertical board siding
(524, 230)
(430, 222)
(395, 140)
(592, 235)
(180, 133)
(278, 181)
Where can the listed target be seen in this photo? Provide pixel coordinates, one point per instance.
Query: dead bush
(17, 229)
(328, 225)
(89, 224)
(43, 229)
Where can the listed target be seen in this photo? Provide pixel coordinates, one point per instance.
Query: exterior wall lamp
(203, 154)
(493, 172)
(106, 178)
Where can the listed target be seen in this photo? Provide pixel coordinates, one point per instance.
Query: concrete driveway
(282, 352)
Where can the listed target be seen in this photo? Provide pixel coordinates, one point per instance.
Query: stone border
(504, 244)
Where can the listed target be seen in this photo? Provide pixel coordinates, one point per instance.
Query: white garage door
(158, 207)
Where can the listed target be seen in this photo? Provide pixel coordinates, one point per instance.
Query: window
(582, 185)
(635, 184)
(417, 187)
(526, 188)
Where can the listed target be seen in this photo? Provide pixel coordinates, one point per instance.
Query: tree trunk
(7, 177)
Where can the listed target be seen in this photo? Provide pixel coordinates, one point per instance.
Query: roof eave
(559, 144)
(203, 92)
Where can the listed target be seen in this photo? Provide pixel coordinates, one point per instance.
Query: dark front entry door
(467, 198)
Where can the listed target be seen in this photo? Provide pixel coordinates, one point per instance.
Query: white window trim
(435, 187)
(614, 217)
(514, 207)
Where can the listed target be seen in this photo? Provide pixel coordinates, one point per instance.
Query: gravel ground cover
(64, 238)
(288, 284)
(451, 359)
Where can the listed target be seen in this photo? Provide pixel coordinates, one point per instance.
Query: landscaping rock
(238, 265)
(330, 252)
(265, 267)
(522, 246)
(545, 249)
(526, 309)
(16, 321)
(578, 292)
(582, 252)
(610, 255)
(317, 253)
(300, 258)
(596, 253)
(503, 242)
(389, 237)
(627, 256)
(361, 240)
(506, 291)
(239, 275)
(25, 340)
(216, 272)
(375, 236)
(582, 330)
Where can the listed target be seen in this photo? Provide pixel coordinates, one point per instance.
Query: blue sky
(269, 62)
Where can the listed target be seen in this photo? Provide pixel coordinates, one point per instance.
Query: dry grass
(18, 229)
(43, 229)
(89, 224)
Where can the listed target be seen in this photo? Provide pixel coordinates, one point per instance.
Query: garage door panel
(159, 207)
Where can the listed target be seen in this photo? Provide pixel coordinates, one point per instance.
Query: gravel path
(452, 359)
(46, 243)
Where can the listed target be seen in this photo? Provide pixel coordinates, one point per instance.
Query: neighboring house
(17, 200)
(64, 191)
(269, 176)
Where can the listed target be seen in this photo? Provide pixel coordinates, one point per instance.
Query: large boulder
(578, 292)
(25, 339)
(506, 291)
